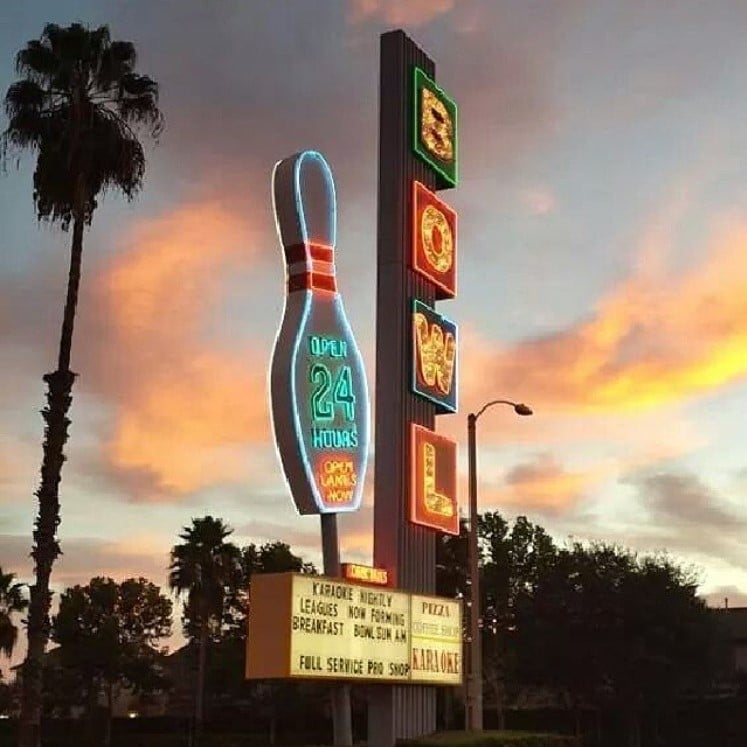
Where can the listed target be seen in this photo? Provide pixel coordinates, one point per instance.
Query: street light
(474, 682)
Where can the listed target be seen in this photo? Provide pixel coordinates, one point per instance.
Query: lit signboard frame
(435, 357)
(447, 170)
(434, 260)
(319, 393)
(434, 501)
(303, 626)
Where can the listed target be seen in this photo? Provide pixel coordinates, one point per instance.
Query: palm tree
(12, 601)
(78, 105)
(207, 569)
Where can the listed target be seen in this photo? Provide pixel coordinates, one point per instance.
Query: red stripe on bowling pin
(310, 267)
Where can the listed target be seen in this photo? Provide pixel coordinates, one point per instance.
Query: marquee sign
(434, 245)
(433, 496)
(312, 627)
(434, 365)
(435, 128)
(319, 395)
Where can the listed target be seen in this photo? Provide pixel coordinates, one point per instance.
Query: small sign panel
(312, 627)
(365, 574)
(434, 364)
(436, 656)
(433, 496)
(434, 240)
(435, 128)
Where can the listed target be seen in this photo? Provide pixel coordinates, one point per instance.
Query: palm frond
(37, 61)
(24, 103)
(80, 106)
(207, 569)
(12, 601)
(117, 62)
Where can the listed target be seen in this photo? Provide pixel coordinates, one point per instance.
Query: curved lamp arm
(519, 407)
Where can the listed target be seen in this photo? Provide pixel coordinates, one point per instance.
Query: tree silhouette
(611, 629)
(12, 601)
(516, 557)
(108, 634)
(206, 568)
(77, 105)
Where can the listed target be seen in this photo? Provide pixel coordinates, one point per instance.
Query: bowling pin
(318, 389)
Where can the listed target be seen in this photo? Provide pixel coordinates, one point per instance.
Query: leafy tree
(225, 670)
(452, 563)
(271, 698)
(567, 624)
(452, 580)
(12, 602)
(664, 642)
(227, 693)
(595, 624)
(65, 690)
(511, 558)
(611, 629)
(514, 559)
(207, 569)
(271, 557)
(108, 634)
(78, 106)
(224, 674)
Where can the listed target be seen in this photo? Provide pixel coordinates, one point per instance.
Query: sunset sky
(602, 273)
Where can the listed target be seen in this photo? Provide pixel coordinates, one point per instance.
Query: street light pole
(474, 681)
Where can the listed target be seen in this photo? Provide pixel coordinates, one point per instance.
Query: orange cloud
(170, 270)
(185, 406)
(411, 13)
(540, 483)
(652, 341)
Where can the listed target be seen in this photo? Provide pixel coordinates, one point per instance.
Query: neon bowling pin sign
(318, 389)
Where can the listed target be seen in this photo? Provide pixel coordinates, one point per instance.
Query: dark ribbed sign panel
(405, 549)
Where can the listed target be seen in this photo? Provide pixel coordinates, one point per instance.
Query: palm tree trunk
(200, 692)
(46, 548)
(71, 302)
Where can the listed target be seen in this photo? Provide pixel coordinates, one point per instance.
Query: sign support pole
(406, 550)
(342, 726)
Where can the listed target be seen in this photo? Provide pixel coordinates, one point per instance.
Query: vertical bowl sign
(318, 389)
(433, 494)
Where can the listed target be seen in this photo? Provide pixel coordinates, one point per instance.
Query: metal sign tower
(408, 157)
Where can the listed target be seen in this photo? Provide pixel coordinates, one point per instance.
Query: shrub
(491, 739)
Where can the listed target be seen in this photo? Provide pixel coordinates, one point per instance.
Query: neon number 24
(343, 393)
(322, 405)
(321, 408)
